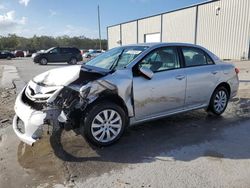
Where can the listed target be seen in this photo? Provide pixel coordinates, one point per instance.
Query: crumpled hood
(59, 77)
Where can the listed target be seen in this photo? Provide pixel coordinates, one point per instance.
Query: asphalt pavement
(187, 150)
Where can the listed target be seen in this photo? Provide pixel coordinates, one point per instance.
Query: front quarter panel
(119, 82)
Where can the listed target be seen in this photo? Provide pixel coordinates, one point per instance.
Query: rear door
(202, 76)
(66, 54)
(165, 92)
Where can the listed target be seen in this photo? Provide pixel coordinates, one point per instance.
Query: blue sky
(76, 17)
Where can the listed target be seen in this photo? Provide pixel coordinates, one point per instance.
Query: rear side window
(195, 57)
(75, 50)
(65, 50)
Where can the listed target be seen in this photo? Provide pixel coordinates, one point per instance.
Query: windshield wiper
(117, 60)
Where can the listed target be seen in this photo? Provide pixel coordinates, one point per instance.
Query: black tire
(72, 61)
(43, 61)
(90, 117)
(214, 104)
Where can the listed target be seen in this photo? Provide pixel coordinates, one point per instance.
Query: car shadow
(149, 141)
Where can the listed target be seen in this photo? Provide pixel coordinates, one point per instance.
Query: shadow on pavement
(153, 139)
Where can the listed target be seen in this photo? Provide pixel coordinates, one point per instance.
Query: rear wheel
(219, 101)
(72, 61)
(104, 123)
(43, 61)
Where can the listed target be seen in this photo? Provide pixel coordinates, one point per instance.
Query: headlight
(84, 91)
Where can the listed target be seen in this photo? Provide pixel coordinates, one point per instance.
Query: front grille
(34, 105)
(20, 126)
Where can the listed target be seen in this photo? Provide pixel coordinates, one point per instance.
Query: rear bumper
(27, 123)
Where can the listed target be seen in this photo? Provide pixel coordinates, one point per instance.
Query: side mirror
(146, 72)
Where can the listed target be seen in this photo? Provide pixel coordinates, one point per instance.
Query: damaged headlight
(84, 91)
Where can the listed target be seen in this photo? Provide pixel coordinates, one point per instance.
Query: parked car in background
(83, 51)
(92, 54)
(29, 53)
(59, 54)
(19, 53)
(125, 86)
(6, 55)
(34, 54)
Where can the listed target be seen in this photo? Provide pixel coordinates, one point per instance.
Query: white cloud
(10, 24)
(52, 12)
(24, 2)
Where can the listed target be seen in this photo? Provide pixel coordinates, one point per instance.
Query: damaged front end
(63, 104)
(32, 111)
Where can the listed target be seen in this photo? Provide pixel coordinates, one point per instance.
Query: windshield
(117, 58)
(47, 51)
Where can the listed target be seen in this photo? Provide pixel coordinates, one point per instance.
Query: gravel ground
(187, 150)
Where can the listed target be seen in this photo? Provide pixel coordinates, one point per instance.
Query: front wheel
(219, 101)
(43, 61)
(104, 123)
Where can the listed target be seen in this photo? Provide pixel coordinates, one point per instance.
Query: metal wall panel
(226, 34)
(114, 36)
(129, 33)
(148, 26)
(179, 26)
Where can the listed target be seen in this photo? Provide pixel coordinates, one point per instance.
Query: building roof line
(183, 8)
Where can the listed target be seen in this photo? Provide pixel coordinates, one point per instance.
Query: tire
(219, 101)
(8, 58)
(43, 61)
(72, 61)
(101, 131)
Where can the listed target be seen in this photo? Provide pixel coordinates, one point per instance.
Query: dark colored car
(19, 53)
(59, 54)
(6, 55)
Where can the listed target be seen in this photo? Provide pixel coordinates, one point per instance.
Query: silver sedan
(125, 86)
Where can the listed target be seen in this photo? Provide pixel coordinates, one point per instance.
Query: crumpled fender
(119, 82)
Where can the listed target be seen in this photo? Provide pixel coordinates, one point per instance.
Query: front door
(165, 92)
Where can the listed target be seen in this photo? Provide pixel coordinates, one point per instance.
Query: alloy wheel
(106, 125)
(220, 101)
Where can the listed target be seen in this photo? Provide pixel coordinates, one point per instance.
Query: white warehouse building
(222, 26)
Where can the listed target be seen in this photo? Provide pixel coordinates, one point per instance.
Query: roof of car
(163, 44)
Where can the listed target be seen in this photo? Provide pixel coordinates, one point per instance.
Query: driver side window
(54, 51)
(161, 59)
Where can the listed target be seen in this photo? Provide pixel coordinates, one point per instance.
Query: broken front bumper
(27, 122)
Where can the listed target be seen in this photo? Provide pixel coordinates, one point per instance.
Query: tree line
(13, 42)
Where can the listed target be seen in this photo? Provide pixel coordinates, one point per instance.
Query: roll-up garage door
(155, 37)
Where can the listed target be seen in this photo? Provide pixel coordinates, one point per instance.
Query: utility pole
(99, 25)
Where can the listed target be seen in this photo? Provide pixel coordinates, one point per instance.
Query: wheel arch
(225, 85)
(111, 97)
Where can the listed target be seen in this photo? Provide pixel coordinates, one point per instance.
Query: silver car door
(165, 92)
(202, 77)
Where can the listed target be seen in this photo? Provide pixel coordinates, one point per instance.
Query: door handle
(214, 72)
(180, 77)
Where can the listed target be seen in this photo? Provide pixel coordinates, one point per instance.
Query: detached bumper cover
(31, 121)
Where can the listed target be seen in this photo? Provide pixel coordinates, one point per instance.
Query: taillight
(237, 71)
